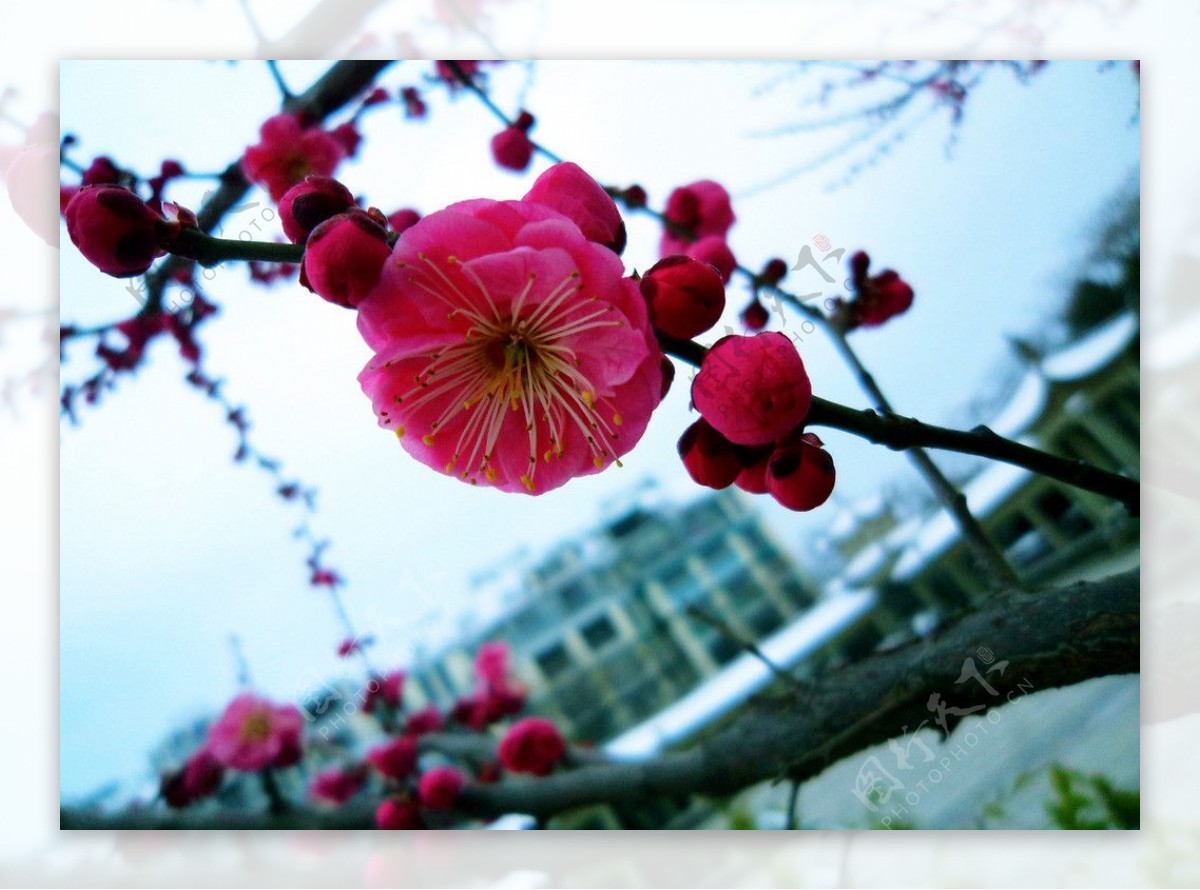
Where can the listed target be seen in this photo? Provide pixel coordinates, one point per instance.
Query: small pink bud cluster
(345, 246)
(697, 220)
(753, 395)
(497, 695)
(511, 147)
(877, 298)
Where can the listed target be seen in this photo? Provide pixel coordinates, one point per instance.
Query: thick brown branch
(1053, 638)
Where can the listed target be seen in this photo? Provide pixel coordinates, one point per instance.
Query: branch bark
(337, 87)
(1050, 638)
(902, 433)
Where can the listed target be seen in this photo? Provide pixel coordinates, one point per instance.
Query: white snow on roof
(867, 562)
(1093, 351)
(983, 494)
(843, 524)
(1023, 408)
(744, 676)
(869, 507)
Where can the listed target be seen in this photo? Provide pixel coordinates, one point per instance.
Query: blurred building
(612, 627)
(1082, 402)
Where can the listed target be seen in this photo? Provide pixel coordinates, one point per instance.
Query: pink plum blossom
(533, 745)
(439, 787)
(696, 210)
(253, 733)
(510, 351)
(287, 152)
(337, 785)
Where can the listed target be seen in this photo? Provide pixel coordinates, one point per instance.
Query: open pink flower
(253, 734)
(288, 152)
(509, 350)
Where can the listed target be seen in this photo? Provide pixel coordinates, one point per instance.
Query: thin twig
(902, 433)
(745, 642)
(793, 805)
(277, 75)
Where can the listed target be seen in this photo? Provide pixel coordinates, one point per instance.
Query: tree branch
(338, 86)
(987, 555)
(902, 433)
(1051, 638)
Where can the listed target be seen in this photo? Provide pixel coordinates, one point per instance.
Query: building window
(599, 631)
(723, 649)
(765, 620)
(1063, 513)
(575, 596)
(553, 661)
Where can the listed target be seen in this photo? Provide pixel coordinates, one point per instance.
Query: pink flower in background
(714, 250)
(396, 760)
(439, 787)
(533, 745)
(491, 663)
(511, 147)
(253, 734)
(396, 814)
(426, 720)
(700, 209)
(337, 785)
(288, 152)
(200, 777)
(388, 689)
(510, 351)
(877, 298)
(403, 219)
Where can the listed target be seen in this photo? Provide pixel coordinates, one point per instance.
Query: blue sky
(167, 547)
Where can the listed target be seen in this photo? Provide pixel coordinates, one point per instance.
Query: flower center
(513, 367)
(256, 728)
